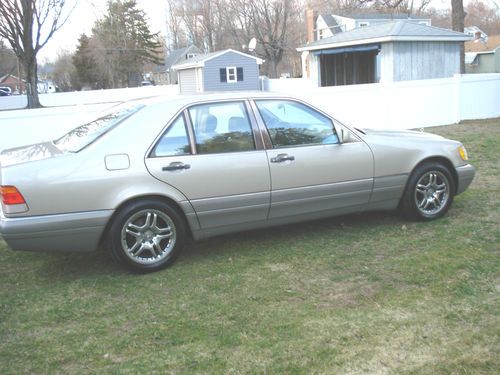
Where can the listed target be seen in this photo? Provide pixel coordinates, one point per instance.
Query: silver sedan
(147, 175)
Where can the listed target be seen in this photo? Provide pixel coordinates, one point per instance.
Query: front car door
(211, 155)
(312, 173)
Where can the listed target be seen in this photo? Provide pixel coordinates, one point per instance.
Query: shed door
(187, 81)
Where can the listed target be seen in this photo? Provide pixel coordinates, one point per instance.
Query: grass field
(359, 294)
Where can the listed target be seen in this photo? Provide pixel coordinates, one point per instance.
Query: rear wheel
(147, 236)
(429, 192)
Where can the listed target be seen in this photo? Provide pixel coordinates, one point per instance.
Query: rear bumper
(465, 176)
(79, 231)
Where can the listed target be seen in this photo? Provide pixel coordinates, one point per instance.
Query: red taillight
(10, 195)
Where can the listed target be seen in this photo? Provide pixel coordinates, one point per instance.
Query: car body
(148, 174)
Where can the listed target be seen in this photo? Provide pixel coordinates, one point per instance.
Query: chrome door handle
(176, 165)
(281, 158)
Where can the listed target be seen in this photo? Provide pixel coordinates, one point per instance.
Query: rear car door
(311, 171)
(210, 154)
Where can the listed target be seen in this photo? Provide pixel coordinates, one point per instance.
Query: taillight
(10, 195)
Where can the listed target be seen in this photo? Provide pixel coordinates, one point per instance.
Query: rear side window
(80, 137)
(294, 124)
(221, 127)
(174, 141)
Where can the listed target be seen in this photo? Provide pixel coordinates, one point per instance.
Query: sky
(86, 12)
(82, 18)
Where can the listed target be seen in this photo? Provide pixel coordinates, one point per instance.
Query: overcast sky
(87, 12)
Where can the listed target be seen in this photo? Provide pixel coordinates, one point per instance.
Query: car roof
(183, 100)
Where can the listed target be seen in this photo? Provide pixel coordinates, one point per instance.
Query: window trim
(266, 138)
(235, 74)
(187, 127)
(257, 144)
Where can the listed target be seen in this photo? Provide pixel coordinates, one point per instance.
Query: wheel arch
(171, 202)
(433, 159)
(446, 162)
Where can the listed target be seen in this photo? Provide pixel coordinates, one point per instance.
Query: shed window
(364, 24)
(231, 74)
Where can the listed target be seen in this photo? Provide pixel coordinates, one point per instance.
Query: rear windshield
(80, 137)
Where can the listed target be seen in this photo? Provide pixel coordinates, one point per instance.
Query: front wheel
(146, 236)
(429, 192)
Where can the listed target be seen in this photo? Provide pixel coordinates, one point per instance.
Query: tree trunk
(31, 68)
(457, 24)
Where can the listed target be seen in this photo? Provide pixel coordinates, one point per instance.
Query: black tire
(147, 236)
(429, 192)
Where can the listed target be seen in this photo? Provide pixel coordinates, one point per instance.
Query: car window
(174, 141)
(221, 127)
(294, 124)
(82, 136)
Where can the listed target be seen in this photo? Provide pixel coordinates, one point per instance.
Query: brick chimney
(477, 35)
(311, 16)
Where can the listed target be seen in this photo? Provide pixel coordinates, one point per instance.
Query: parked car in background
(5, 91)
(147, 175)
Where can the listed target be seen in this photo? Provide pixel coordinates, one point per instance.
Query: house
(387, 52)
(16, 84)
(226, 70)
(164, 74)
(326, 25)
(483, 56)
(475, 32)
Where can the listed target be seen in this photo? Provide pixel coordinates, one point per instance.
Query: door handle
(280, 158)
(175, 166)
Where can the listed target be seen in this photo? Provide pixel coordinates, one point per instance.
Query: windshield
(80, 137)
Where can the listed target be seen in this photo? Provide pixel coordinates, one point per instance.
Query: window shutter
(223, 75)
(239, 74)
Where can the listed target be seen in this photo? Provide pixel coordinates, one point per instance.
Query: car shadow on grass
(264, 240)
(71, 266)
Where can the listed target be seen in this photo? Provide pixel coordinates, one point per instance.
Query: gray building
(226, 70)
(388, 52)
(483, 55)
(326, 25)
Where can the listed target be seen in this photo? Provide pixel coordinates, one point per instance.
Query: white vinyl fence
(398, 105)
(401, 105)
(64, 112)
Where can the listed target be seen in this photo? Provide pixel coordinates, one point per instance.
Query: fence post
(457, 97)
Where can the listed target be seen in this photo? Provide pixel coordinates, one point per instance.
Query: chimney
(477, 35)
(311, 16)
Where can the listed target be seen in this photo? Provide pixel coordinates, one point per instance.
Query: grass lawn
(369, 293)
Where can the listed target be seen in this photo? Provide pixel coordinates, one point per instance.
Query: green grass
(369, 293)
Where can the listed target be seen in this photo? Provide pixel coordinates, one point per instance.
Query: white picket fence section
(401, 105)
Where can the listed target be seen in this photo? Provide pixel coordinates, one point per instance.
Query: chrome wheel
(432, 193)
(148, 236)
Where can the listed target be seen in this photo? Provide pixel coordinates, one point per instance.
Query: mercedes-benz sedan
(148, 174)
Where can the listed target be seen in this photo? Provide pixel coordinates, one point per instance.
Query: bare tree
(175, 35)
(8, 60)
(271, 20)
(457, 24)
(28, 25)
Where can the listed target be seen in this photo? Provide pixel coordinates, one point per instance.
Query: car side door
(210, 153)
(312, 172)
